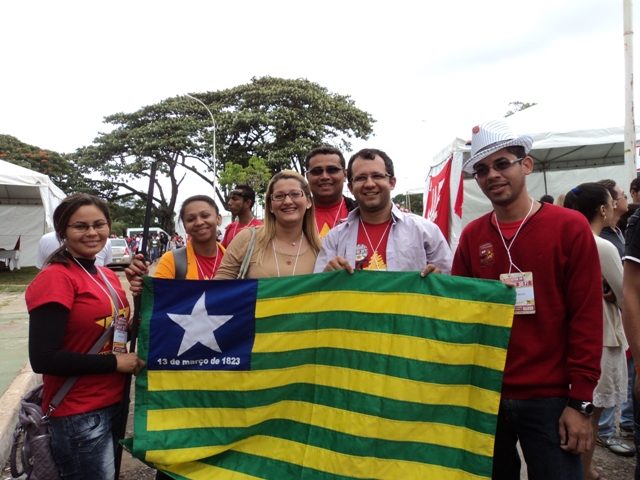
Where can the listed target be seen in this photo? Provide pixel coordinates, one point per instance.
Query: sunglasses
(317, 171)
(481, 171)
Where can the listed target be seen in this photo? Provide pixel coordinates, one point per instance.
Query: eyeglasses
(624, 195)
(83, 227)
(482, 171)
(317, 171)
(376, 177)
(280, 196)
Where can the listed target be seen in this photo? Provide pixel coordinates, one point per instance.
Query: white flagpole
(629, 121)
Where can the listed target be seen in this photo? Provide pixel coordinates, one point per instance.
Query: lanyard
(114, 299)
(508, 249)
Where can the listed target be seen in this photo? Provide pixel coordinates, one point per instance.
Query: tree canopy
(281, 120)
(62, 170)
(517, 107)
(275, 119)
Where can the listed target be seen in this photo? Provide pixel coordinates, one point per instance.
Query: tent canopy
(586, 145)
(27, 202)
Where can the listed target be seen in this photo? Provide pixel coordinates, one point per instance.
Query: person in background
(241, 201)
(634, 190)
(64, 324)
(631, 312)
(607, 435)
(50, 242)
(594, 202)
(546, 199)
(624, 218)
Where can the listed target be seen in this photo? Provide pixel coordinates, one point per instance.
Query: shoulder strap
(180, 262)
(247, 255)
(69, 382)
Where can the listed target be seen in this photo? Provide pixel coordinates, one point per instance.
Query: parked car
(120, 252)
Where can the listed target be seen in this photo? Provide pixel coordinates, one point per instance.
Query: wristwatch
(585, 408)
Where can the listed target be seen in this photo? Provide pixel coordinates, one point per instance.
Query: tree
(128, 214)
(416, 202)
(281, 120)
(62, 169)
(518, 107)
(275, 119)
(256, 175)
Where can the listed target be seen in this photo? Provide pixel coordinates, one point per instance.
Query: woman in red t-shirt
(71, 302)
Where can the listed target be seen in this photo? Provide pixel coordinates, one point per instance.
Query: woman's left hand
(129, 363)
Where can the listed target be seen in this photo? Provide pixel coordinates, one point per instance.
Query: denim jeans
(535, 423)
(84, 444)
(607, 424)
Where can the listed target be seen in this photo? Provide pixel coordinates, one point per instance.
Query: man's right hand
(338, 263)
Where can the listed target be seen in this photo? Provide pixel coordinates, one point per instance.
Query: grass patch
(17, 279)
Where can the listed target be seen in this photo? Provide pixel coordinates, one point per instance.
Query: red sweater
(556, 351)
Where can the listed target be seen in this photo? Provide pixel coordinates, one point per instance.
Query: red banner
(439, 198)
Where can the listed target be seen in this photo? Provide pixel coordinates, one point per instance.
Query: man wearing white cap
(553, 361)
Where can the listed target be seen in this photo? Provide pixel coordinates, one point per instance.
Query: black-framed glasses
(331, 170)
(83, 227)
(377, 177)
(481, 171)
(293, 195)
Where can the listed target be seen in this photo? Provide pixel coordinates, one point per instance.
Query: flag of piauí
(327, 376)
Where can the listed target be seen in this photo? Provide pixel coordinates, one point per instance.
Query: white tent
(27, 202)
(569, 147)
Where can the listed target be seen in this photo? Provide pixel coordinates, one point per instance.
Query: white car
(120, 253)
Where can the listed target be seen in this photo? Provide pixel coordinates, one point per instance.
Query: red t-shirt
(235, 227)
(371, 250)
(90, 313)
(331, 216)
(208, 266)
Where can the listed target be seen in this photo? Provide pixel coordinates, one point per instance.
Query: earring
(605, 217)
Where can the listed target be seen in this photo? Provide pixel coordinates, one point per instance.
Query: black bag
(36, 457)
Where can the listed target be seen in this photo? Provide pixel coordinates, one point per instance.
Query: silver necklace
(273, 244)
(369, 240)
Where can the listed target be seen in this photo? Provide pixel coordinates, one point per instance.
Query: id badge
(120, 335)
(525, 300)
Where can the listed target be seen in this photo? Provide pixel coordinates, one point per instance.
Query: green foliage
(281, 120)
(275, 119)
(62, 169)
(416, 202)
(518, 107)
(129, 213)
(256, 175)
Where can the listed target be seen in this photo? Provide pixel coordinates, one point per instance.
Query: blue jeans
(84, 444)
(607, 423)
(535, 423)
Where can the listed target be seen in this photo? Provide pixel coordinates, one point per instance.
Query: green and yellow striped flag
(328, 376)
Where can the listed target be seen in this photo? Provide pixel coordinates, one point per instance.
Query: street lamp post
(214, 138)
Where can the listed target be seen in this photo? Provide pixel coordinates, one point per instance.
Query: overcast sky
(426, 71)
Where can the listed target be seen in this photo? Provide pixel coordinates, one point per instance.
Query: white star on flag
(199, 326)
